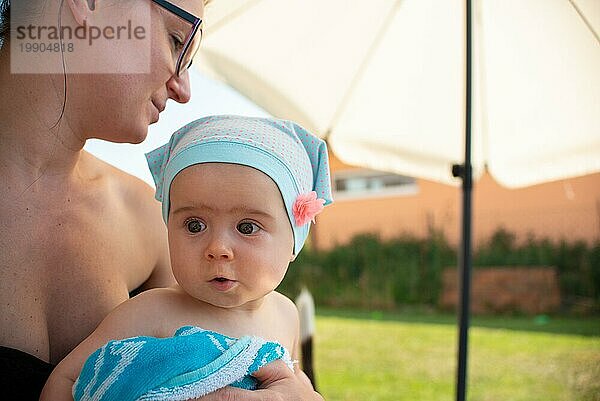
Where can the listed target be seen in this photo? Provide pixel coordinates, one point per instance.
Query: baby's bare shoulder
(159, 300)
(281, 300)
(148, 313)
(285, 307)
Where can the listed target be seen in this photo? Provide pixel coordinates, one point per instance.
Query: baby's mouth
(222, 284)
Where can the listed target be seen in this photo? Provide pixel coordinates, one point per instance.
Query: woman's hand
(278, 383)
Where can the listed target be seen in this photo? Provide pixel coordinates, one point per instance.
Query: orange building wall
(568, 209)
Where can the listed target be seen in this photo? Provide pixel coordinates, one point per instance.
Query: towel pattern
(192, 363)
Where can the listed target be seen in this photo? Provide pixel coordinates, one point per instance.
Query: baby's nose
(217, 255)
(218, 249)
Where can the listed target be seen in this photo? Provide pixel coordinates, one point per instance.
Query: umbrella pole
(465, 255)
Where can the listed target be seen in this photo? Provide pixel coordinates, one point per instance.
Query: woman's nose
(178, 87)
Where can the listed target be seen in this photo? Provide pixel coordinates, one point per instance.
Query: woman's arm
(148, 214)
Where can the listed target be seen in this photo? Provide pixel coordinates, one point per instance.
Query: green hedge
(369, 272)
(372, 273)
(578, 264)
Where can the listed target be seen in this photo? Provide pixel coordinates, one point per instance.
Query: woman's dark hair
(4, 20)
(4, 34)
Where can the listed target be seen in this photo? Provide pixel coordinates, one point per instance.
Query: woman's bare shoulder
(130, 189)
(133, 206)
(134, 200)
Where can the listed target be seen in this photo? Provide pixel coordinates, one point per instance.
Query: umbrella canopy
(393, 85)
(384, 81)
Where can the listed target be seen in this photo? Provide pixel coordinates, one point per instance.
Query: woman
(77, 235)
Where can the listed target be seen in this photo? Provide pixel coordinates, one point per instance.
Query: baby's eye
(248, 228)
(195, 226)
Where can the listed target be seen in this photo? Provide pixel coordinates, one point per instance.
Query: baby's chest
(268, 327)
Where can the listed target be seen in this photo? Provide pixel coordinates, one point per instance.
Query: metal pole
(465, 255)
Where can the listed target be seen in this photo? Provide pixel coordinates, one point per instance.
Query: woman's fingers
(278, 383)
(272, 373)
(236, 394)
(302, 376)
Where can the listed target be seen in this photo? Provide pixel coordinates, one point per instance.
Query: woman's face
(119, 107)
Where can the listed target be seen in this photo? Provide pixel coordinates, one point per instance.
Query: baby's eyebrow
(245, 210)
(239, 209)
(184, 209)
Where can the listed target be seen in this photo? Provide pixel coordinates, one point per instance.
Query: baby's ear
(293, 257)
(81, 9)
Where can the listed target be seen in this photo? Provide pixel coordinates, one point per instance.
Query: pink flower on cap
(306, 207)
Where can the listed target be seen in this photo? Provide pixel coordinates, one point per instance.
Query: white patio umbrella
(386, 83)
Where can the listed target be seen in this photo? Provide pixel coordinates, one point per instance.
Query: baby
(238, 195)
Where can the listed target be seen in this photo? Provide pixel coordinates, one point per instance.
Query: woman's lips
(222, 284)
(159, 108)
(155, 114)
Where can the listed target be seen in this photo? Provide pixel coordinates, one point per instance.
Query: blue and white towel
(192, 363)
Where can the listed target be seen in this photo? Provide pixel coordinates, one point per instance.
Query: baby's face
(230, 239)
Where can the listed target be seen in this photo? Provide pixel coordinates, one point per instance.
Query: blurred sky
(209, 97)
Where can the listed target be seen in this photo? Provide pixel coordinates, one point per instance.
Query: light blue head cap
(296, 160)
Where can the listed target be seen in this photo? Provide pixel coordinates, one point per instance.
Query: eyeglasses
(193, 39)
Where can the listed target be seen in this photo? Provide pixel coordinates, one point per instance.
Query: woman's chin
(133, 136)
(136, 134)
(139, 139)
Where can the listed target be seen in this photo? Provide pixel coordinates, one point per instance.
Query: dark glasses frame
(196, 26)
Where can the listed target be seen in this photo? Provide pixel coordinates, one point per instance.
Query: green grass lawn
(361, 356)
